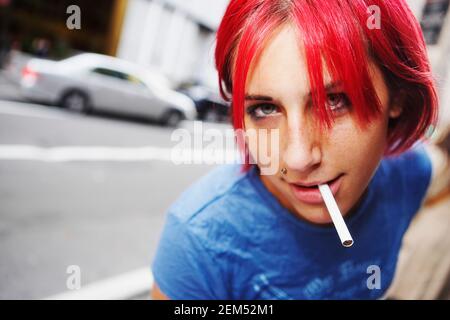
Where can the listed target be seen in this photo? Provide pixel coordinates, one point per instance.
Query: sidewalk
(423, 271)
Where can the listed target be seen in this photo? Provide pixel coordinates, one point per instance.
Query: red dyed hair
(337, 32)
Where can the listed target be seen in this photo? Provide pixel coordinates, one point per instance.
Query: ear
(395, 111)
(396, 106)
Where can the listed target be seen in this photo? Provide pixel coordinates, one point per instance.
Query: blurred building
(39, 27)
(175, 36)
(434, 17)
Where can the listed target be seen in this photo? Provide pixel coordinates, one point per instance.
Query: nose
(302, 152)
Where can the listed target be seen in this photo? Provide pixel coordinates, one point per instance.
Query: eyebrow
(328, 87)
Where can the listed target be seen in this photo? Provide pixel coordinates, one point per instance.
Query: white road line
(124, 286)
(130, 154)
(83, 153)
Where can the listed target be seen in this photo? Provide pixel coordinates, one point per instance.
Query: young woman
(346, 87)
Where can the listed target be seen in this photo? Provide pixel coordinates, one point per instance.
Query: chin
(316, 216)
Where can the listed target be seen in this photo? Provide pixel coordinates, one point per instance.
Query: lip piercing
(283, 171)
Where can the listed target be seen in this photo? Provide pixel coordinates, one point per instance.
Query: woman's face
(346, 156)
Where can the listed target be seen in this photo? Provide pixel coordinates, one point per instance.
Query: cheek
(251, 139)
(345, 143)
(263, 145)
(356, 146)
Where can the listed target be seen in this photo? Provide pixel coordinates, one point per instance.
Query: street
(103, 215)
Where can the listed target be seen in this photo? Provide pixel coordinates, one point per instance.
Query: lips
(309, 193)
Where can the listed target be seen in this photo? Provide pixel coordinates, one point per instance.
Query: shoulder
(414, 163)
(409, 174)
(200, 225)
(220, 211)
(214, 191)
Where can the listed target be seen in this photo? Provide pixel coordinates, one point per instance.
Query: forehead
(281, 66)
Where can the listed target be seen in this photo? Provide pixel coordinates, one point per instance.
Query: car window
(109, 73)
(135, 80)
(119, 75)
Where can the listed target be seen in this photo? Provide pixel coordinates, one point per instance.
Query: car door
(156, 100)
(142, 99)
(123, 92)
(106, 87)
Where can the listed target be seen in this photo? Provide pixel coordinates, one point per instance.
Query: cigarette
(336, 216)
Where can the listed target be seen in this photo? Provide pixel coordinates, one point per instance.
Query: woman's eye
(338, 101)
(261, 110)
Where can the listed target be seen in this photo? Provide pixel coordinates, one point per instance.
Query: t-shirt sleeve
(416, 175)
(182, 268)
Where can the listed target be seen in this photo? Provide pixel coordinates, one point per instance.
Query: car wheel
(172, 118)
(75, 101)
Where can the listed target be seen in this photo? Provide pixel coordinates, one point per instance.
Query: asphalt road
(101, 215)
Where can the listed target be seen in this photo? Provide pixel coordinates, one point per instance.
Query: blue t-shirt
(228, 237)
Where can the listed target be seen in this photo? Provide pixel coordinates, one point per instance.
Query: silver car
(91, 81)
